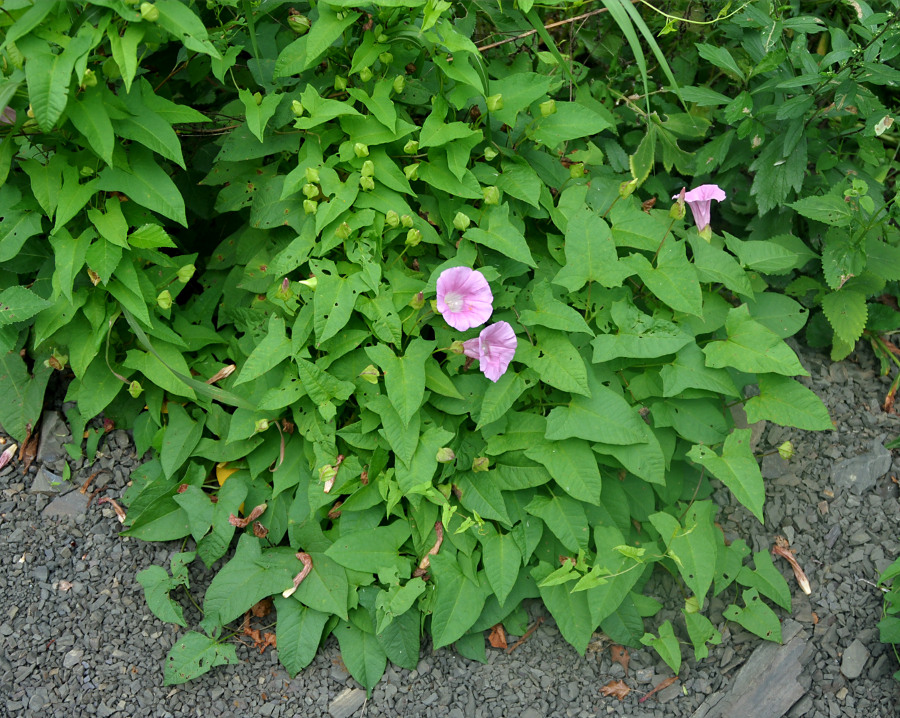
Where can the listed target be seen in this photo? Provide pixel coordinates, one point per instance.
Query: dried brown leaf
(619, 654)
(615, 689)
(663, 684)
(497, 638)
(262, 608)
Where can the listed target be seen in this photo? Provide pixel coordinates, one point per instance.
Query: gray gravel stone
(46, 482)
(854, 659)
(69, 505)
(54, 433)
(73, 658)
(860, 473)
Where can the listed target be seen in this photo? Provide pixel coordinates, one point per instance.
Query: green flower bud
(327, 473)
(312, 283)
(135, 389)
(480, 463)
(434, 309)
(494, 102)
(149, 12)
(257, 98)
(413, 237)
(406, 221)
(343, 231)
(312, 175)
(164, 299)
(361, 150)
(462, 221)
(786, 450)
(386, 58)
(368, 168)
(491, 195)
(261, 425)
(392, 219)
(284, 292)
(86, 171)
(457, 347)
(299, 23)
(490, 153)
(310, 206)
(311, 191)
(576, 170)
(411, 147)
(367, 184)
(370, 374)
(365, 74)
(297, 108)
(382, 39)
(445, 455)
(418, 300)
(626, 189)
(399, 84)
(548, 108)
(185, 273)
(90, 78)
(340, 83)
(411, 171)
(57, 361)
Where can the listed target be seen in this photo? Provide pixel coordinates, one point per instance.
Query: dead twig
(524, 638)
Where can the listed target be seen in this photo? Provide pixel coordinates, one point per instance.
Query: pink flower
(494, 349)
(699, 199)
(464, 298)
(8, 116)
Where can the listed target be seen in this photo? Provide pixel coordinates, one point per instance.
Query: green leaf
(424, 462)
(736, 468)
(693, 546)
(766, 579)
(552, 313)
(502, 563)
(570, 610)
(572, 465)
(520, 180)
(666, 646)
(846, 311)
(674, 280)
(570, 121)
(716, 265)
(639, 336)
(502, 236)
(557, 362)
(157, 583)
(259, 114)
(98, 387)
(326, 588)
(361, 653)
(195, 654)
(457, 601)
(90, 118)
(829, 208)
(181, 438)
(371, 550)
(112, 225)
(274, 348)
(720, 57)
(403, 439)
(590, 253)
(500, 396)
(185, 26)
(777, 312)
(298, 633)
(604, 416)
(335, 298)
(124, 50)
(404, 377)
(701, 631)
(565, 517)
(481, 496)
(147, 184)
(18, 304)
(689, 371)
(48, 77)
(400, 639)
(787, 402)
(756, 617)
(751, 347)
(152, 131)
(15, 229)
(303, 53)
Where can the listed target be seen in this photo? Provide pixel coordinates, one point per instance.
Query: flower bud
(786, 450)
(676, 211)
(29, 112)
(461, 221)
(370, 374)
(312, 175)
(368, 168)
(366, 184)
(340, 83)
(284, 292)
(413, 237)
(418, 300)
(382, 39)
(406, 221)
(445, 455)
(576, 170)
(90, 78)
(257, 98)
(399, 84)
(149, 12)
(480, 463)
(311, 191)
(490, 153)
(86, 171)
(57, 361)
(299, 23)
(411, 171)
(494, 102)
(312, 283)
(164, 299)
(343, 231)
(626, 189)
(491, 195)
(365, 74)
(386, 58)
(297, 108)
(361, 150)
(135, 389)
(392, 219)
(548, 108)
(411, 147)
(185, 273)
(310, 206)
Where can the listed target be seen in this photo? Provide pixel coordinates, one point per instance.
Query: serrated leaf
(195, 654)
(846, 311)
(18, 303)
(828, 208)
(788, 403)
(736, 468)
(756, 617)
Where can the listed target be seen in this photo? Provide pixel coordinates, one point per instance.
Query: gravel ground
(78, 640)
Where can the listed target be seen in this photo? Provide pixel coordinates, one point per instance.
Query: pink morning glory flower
(464, 298)
(494, 349)
(699, 199)
(8, 116)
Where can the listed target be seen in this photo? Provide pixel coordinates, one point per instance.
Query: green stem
(662, 241)
(251, 27)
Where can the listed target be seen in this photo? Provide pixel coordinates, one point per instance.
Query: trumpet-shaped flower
(699, 200)
(464, 298)
(494, 349)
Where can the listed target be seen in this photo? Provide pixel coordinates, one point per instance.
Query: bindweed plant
(401, 312)
(889, 626)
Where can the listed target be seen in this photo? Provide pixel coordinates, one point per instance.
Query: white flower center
(453, 301)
